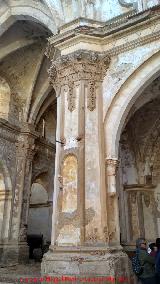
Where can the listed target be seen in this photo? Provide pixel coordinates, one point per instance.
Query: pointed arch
(124, 100)
(28, 11)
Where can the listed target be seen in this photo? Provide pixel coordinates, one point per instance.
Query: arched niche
(38, 194)
(69, 175)
(5, 202)
(5, 95)
(134, 116)
(39, 219)
(69, 234)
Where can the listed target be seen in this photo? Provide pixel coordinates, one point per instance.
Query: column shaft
(112, 201)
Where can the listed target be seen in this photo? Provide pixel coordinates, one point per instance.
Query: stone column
(79, 224)
(112, 202)
(18, 249)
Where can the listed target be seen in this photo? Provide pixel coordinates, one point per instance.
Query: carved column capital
(25, 150)
(68, 69)
(112, 165)
(26, 142)
(79, 65)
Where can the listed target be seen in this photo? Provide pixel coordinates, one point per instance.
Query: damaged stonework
(79, 214)
(79, 132)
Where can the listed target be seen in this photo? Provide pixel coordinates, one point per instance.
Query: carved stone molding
(121, 28)
(25, 150)
(91, 99)
(133, 197)
(23, 233)
(147, 199)
(26, 142)
(71, 97)
(133, 44)
(112, 165)
(80, 65)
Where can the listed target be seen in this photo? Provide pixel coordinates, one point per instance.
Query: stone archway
(29, 11)
(135, 191)
(123, 101)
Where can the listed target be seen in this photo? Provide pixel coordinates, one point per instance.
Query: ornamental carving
(99, 253)
(133, 197)
(80, 65)
(112, 165)
(93, 237)
(106, 234)
(23, 233)
(71, 98)
(147, 200)
(91, 99)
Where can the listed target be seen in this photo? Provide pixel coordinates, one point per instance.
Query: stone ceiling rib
(10, 48)
(39, 65)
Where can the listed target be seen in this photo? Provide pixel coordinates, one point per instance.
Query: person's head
(153, 247)
(158, 243)
(141, 243)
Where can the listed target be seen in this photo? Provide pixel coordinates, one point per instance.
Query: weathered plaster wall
(121, 68)
(8, 138)
(5, 97)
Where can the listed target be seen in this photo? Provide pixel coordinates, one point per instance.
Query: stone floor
(30, 274)
(20, 273)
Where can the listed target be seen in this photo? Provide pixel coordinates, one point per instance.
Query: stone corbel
(126, 4)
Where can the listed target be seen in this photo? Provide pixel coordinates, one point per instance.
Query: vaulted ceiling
(23, 64)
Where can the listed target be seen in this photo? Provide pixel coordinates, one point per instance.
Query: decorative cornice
(115, 36)
(133, 44)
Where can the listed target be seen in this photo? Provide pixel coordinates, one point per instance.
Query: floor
(29, 273)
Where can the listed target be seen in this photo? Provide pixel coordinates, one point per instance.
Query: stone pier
(85, 226)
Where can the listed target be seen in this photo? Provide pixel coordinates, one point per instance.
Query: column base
(86, 262)
(12, 254)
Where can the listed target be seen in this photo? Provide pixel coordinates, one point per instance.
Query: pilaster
(17, 250)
